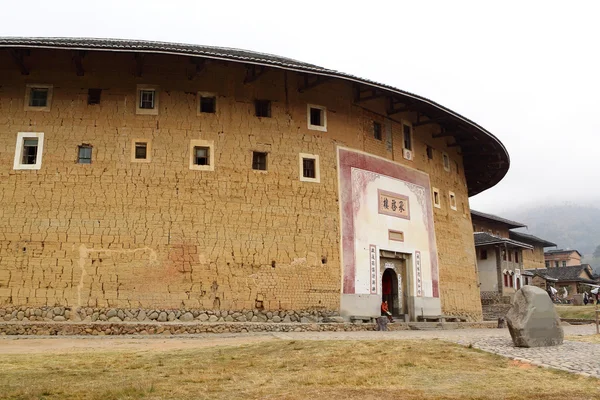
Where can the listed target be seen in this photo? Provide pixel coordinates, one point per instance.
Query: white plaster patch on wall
(372, 228)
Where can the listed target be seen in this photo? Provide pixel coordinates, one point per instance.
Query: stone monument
(532, 319)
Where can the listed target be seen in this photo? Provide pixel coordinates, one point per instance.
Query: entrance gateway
(388, 247)
(395, 287)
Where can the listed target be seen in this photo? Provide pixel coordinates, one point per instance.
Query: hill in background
(568, 225)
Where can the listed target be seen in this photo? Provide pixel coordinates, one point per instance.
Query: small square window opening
(208, 104)
(84, 154)
(94, 96)
(377, 130)
(436, 198)
(446, 161)
(259, 161)
(308, 168)
(407, 132)
(147, 99)
(30, 150)
(452, 200)
(316, 116)
(201, 155)
(262, 108)
(38, 97)
(483, 255)
(430, 152)
(141, 150)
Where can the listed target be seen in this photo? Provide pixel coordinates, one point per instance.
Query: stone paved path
(576, 357)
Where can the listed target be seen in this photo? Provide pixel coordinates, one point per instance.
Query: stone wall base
(155, 328)
(90, 314)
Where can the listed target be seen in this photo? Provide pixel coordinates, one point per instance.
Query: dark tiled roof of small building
(481, 173)
(562, 251)
(524, 237)
(486, 239)
(566, 273)
(510, 224)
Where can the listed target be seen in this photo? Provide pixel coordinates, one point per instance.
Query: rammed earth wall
(157, 235)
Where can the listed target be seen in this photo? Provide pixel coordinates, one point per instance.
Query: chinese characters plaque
(373, 268)
(393, 204)
(418, 270)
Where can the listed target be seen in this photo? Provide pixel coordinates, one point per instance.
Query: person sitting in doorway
(386, 311)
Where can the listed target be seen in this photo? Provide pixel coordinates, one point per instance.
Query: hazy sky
(528, 71)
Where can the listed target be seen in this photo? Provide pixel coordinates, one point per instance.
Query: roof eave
(475, 185)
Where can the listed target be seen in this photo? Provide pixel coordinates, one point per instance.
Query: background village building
(577, 279)
(505, 261)
(533, 258)
(144, 175)
(562, 258)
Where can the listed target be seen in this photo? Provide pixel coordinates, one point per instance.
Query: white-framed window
(141, 150)
(452, 198)
(147, 100)
(446, 161)
(29, 150)
(437, 201)
(309, 168)
(316, 117)
(207, 103)
(407, 135)
(38, 97)
(202, 155)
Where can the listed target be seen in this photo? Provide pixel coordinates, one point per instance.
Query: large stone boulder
(532, 319)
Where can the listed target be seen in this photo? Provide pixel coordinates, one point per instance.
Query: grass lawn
(584, 312)
(289, 370)
(586, 338)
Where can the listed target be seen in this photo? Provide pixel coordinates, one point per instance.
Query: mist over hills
(569, 225)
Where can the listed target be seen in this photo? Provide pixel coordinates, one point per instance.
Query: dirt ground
(159, 343)
(64, 345)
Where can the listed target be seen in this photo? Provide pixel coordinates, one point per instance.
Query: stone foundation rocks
(89, 314)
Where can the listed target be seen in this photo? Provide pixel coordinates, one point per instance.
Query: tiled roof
(524, 237)
(481, 173)
(508, 222)
(486, 239)
(562, 251)
(565, 273)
